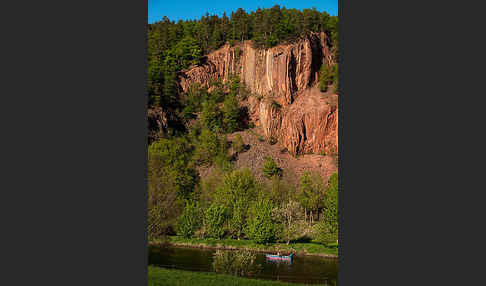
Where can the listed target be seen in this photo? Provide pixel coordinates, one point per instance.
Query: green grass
(300, 247)
(171, 277)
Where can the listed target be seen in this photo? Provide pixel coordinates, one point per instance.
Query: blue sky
(190, 9)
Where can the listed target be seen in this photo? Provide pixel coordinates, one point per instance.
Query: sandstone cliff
(286, 105)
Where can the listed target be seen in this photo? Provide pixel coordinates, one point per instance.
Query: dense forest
(229, 202)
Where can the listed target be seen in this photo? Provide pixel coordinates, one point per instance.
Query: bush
(210, 115)
(238, 144)
(326, 76)
(275, 105)
(231, 113)
(223, 160)
(323, 234)
(270, 168)
(213, 221)
(238, 52)
(239, 263)
(208, 147)
(261, 225)
(336, 78)
(272, 140)
(189, 221)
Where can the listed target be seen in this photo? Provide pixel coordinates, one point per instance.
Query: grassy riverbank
(302, 248)
(172, 277)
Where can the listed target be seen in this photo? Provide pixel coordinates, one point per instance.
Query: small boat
(279, 257)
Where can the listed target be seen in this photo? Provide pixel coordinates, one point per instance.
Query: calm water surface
(302, 269)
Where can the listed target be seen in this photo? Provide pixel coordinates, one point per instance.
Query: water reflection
(302, 269)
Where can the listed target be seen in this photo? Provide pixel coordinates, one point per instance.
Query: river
(302, 269)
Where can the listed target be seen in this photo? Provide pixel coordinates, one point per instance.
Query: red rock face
(310, 124)
(301, 120)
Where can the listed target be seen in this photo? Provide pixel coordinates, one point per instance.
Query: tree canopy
(174, 46)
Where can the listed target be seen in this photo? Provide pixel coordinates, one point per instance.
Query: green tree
(211, 116)
(280, 190)
(239, 216)
(237, 184)
(223, 160)
(173, 156)
(310, 193)
(187, 52)
(289, 215)
(270, 168)
(189, 221)
(325, 77)
(327, 229)
(237, 191)
(208, 147)
(231, 113)
(163, 206)
(214, 219)
(261, 225)
(335, 78)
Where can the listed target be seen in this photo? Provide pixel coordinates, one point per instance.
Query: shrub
(222, 159)
(238, 52)
(214, 218)
(270, 168)
(208, 147)
(189, 221)
(323, 234)
(275, 105)
(326, 76)
(239, 263)
(272, 140)
(238, 144)
(210, 115)
(231, 113)
(336, 78)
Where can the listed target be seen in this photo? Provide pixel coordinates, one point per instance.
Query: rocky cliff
(286, 104)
